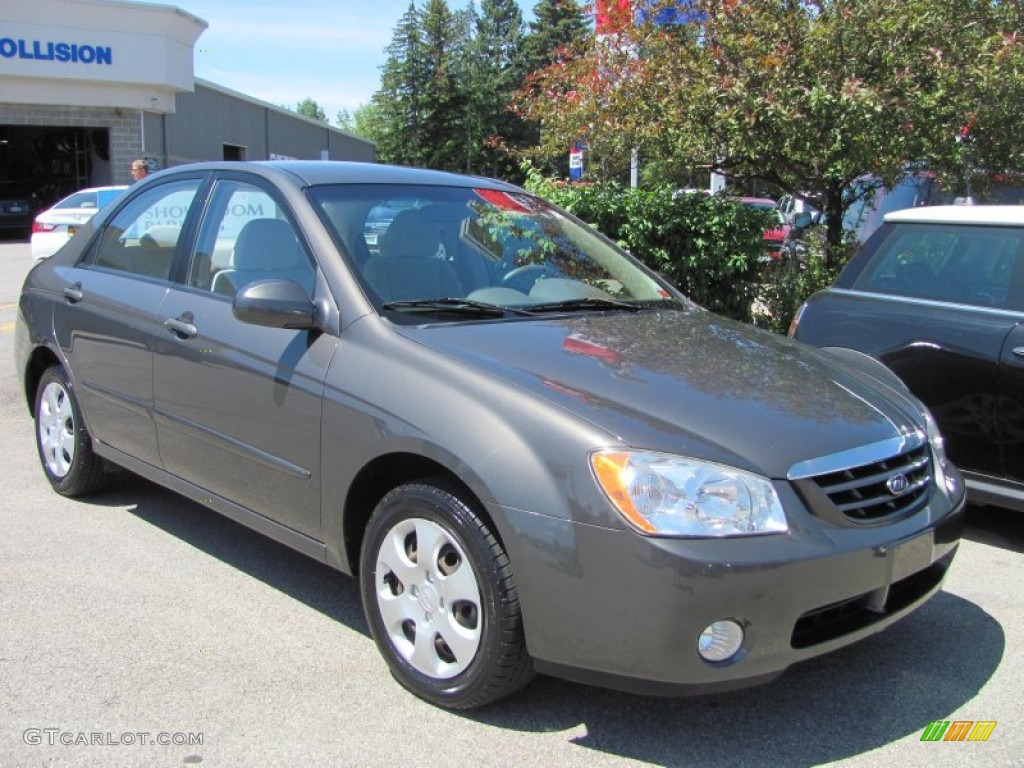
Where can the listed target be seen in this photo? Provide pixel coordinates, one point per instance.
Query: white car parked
(52, 228)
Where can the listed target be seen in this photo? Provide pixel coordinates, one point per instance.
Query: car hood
(686, 382)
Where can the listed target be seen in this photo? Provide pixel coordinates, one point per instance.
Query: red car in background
(774, 236)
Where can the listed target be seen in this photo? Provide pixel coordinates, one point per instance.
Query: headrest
(266, 244)
(409, 236)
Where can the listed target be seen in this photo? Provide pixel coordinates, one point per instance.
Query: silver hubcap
(57, 429)
(429, 598)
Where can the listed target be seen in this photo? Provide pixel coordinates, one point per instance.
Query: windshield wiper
(454, 306)
(589, 302)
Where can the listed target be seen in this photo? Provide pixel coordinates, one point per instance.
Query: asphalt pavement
(140, 629)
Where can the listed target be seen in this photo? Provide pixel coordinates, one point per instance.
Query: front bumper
(616, 609)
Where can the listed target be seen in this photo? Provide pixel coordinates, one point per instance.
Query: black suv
(937, 294)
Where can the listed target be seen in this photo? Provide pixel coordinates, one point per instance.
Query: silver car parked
(534, 454)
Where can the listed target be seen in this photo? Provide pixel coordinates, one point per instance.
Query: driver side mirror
(275, 304)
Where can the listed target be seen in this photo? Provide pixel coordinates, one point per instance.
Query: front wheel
(65, 448)
(440, 598)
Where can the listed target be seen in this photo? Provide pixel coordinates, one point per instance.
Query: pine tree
(443, 108)
(491, 74)
(557, 24)
(417, 115)
(399, 104)
(450, 78)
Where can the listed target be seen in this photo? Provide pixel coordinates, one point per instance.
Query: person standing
(140, 169)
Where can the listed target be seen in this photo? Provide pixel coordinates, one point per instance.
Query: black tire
(489, 660)
(63, 443)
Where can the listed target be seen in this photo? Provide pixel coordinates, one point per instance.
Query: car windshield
(418, 248)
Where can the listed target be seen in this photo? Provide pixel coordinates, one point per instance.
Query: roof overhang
(97, 53)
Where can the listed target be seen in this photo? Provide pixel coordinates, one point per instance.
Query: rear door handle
(73, 293)
(1018, 351)
(183, 326)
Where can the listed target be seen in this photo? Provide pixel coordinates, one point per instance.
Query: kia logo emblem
(897, 484)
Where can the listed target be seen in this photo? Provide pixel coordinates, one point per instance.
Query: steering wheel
(523, 278)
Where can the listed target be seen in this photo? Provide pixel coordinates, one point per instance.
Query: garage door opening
(234, 152)
(46, 163)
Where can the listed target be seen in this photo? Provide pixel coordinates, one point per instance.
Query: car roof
(1012, 215)
(317, 172)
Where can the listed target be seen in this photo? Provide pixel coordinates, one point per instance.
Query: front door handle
(73, 293)
(1018, 351)
(182, 326)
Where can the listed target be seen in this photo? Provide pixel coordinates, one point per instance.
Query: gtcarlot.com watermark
(59, 737)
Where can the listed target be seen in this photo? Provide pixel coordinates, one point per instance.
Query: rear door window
(143, 237)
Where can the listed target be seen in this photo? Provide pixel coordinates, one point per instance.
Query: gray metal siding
(295, 138)
(344, 147)
(209, 117)
(205, 120)
(153, 140)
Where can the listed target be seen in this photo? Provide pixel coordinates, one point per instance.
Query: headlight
(667, 495)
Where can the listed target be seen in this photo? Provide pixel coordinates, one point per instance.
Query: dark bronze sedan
(534, 453)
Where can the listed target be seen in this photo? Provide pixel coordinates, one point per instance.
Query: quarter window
(142, 238)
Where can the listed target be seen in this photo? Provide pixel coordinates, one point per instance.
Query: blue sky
(282, 51)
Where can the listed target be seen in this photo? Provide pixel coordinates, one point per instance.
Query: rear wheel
(440, 598)
(65, 448)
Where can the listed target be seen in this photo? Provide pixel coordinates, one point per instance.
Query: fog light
(720, 641)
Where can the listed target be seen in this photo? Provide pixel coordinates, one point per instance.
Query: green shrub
(707, 246)
(785, 287)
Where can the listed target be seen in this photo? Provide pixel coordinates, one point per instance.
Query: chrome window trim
(898, 297)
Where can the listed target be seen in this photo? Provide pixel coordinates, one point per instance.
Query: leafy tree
(310, 108)
(807, 95)
(707, 246)
(364, 122)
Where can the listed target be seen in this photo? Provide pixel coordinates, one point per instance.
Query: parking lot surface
(140, 629)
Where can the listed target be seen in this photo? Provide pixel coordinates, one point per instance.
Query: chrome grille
(897, 485)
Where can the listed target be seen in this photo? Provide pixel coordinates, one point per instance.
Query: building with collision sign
(86, 86)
